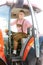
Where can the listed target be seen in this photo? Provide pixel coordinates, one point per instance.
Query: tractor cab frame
(33, 38)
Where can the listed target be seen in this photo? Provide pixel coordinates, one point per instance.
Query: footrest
(17, 58)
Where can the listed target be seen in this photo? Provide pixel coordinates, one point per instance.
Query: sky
(4, 14)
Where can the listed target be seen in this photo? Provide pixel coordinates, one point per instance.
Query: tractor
(29, 52)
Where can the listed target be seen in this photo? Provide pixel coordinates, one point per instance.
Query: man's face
(21, 15)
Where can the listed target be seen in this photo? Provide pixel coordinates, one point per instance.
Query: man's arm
(13, 23)
(26, 25)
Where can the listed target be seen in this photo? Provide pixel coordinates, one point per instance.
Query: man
(24, 24)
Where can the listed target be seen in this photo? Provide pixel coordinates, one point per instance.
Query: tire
(31, 58)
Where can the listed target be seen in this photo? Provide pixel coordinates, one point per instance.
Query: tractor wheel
(31, 58)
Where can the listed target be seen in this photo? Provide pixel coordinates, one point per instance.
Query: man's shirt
(25, 24)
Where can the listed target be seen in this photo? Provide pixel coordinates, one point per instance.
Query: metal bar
(37, 37)
(9, 33)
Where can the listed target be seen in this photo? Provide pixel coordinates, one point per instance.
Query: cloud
(3, 23)
(2, 2)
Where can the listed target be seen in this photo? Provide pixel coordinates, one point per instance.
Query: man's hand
(6, 31)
